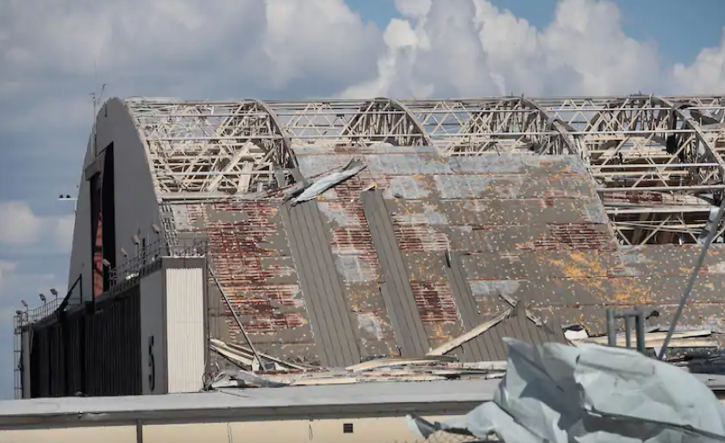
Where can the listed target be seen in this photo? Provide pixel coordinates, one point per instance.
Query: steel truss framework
(658, 161)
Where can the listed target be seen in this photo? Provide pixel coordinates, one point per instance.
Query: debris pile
(428, 368)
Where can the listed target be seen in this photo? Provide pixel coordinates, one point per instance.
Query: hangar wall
(135, 205)
(152, 333)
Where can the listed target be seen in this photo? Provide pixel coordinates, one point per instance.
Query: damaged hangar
(335, 232)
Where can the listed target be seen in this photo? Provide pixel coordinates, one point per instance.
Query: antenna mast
(96, 97)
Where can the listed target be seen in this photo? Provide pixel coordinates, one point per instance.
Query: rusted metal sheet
(529, 227)
(328, 308)
(396, 289)
(468, 310)
(253, 263)
(357, 263)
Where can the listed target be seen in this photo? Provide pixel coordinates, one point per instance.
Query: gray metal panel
(466, 304)
(320, 283)
(400, 300)
(517, 326)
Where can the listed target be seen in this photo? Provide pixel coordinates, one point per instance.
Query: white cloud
(471, 47)
(51, 49)
(199, 48)
(18, 224)
(6, 267)
(21, 228)
(706, 74)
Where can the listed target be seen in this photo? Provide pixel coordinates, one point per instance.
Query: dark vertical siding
(396, 290)
(321, 286)
(96, 353)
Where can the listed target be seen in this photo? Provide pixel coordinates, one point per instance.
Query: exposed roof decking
(636, 147)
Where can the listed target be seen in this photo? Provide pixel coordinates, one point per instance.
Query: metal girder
(205, 147)
(653, 164)
(567, 143)
(653, 158)
(388, 121)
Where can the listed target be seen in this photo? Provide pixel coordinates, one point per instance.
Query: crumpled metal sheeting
(592, 394)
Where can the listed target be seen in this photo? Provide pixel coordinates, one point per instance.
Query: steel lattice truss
(658, 161)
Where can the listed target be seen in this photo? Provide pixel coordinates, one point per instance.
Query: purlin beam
(211, 147)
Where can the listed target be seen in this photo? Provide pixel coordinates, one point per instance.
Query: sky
(55, 53)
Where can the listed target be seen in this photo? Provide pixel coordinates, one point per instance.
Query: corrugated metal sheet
(337, 342)
(529, 227)
(517, 326)
(112, 346)
(94, 353)
(185, 342)
(465, 302)
(402, 301)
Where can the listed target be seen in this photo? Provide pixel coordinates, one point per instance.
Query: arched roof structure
(213, 149)
(430, 216)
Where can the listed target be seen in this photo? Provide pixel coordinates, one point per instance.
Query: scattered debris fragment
(328, 181)
(468, 336)
(537, 321)
(575, 332)
(245, 358)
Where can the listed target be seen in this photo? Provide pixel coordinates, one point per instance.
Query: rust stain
(244, 249)
(417, 238)
(577, 236)
(435, 302)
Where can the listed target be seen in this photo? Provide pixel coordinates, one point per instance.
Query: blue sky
(699, 22)
(295, 49)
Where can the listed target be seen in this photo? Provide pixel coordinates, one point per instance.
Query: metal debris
(468, 336)
(323, 184)
(593, 394)
(429, 368)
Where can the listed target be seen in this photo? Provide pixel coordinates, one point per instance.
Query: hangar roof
(458, 203)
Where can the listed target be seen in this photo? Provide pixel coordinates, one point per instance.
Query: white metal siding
(185, 329)
(152, 325)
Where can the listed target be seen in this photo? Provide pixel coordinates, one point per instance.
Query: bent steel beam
(384, 119)
(558, 125)
(286, 143)
(695, 127)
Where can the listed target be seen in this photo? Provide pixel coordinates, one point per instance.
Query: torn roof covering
(416, 249)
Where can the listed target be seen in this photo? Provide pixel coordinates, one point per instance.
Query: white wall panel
(185, 329)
